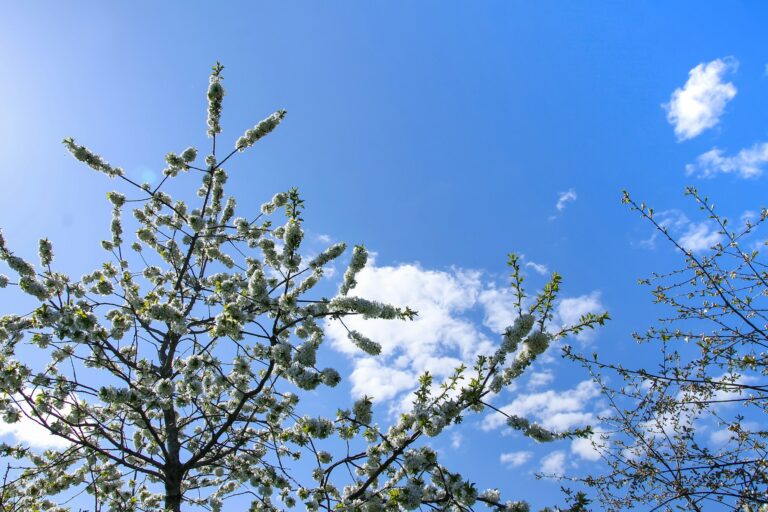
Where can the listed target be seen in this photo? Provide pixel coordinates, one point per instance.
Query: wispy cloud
(554, 410)
(720, 437)
(699, 104)
(747, 163)
(515, 459)
(700, 236)
(692, 236)
(748, 217)
(672, 220)
(537, 267)
(564, 198)
(553, 464)
(540, 379)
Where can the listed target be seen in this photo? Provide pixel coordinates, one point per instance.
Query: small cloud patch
(700, 103)
(747, 163)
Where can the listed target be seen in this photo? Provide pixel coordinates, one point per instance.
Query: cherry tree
(174, 373)
(687, 431)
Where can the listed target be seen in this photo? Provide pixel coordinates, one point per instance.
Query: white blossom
(363, 343)
(260, 130)
(359, 259)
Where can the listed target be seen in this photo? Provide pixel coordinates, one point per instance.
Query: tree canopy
(174, 373)
(688, 433)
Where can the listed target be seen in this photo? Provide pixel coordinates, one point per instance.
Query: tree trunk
(173, 494)
(174, 472)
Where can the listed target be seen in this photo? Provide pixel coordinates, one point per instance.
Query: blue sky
(443, 135)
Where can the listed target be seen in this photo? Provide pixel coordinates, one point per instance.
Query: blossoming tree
(688, 433)
(173, 373)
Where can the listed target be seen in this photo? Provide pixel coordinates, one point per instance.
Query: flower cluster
(532, 430)
(178, 163)
(250, 137)
(364, 343)
(367, 308)
(91, 159)
(215, 97)
(328, 255)
(359, 259)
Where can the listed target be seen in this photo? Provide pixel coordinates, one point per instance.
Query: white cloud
(554, 410)
(686, 414)
(440, 338)
(727, 393)
(692, 236)
(372, 378)
(747, 163)
(444, 335)
(29, 433)
(553, 464)
(515, 459)
(456, 440)
(499, 307)
(672, 220)
(699, 104)
(571, 309)
(721, 437)
(537, 267)
(324, 239)
(540, 379)
(700, 237)
(564, 198)
(748, 217)
(667, 423)
(588, 448)
(758, 245)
